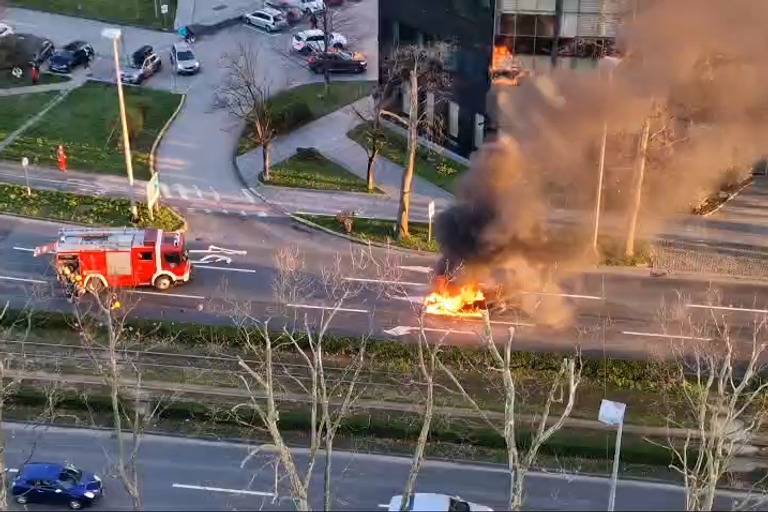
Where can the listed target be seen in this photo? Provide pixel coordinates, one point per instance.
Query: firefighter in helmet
(114, 302)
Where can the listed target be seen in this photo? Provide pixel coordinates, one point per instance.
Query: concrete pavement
(188, 474)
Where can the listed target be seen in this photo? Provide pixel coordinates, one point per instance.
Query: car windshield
(70, 477)
(64, 53)
(345, 55)
(185, 55)
(456, 505)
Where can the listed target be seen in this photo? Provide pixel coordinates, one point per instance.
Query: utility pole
(558, 28)
(638, 188)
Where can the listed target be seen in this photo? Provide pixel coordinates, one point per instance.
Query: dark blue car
(45, 482)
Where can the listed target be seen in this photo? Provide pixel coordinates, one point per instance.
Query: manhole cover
(220, 7)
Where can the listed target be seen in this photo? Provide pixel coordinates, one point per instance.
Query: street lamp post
(115, 34)
(612, 413)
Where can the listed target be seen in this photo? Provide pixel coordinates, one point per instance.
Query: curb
(738, 191)
(103, 20)
(161, 134)
(43, 219)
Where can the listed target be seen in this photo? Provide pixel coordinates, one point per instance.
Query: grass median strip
(87, 123)
(293, 108)
(138, 12)
(308, 168)
(54, 205)
(17, 109)
(378, 230)
(430, 165)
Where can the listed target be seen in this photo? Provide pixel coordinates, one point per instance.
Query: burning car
(458, 300)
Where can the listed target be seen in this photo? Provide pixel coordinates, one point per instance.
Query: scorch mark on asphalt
(221, 489)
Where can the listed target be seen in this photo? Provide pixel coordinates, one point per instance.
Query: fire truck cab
(93, 259)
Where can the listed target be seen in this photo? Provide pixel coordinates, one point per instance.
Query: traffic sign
(163, 9)
(153, 192)
(431, 209)
(25, 162)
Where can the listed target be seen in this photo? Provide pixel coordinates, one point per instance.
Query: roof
(74, 45)
(270, 10)
(116, 239)
(41, 470)
(310, 32)
(182, 46)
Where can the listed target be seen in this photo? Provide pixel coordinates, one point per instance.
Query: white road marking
(228, 269)
(723, 308)
(216, 195)
(402, 330)
(165, 294)
(243, 214)
(181, 191)
(221, 489)
(382, 281)
(662, 335)
(422, 270)
(22, 280)
(165, 191)
(198, 192)
(261, 214)
(306, 306)
(385, 505)
(15, 248)
(215, 249)
(12, 470)
(225, 212)
(569, 295)
(248, 195)
(207, 210)
(516, 324)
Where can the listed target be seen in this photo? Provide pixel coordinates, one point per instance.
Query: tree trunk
(369, 170)
(517, 489)
(267, 159)
(327, 472)
(404, 212)
(638, 190)
(3, 470)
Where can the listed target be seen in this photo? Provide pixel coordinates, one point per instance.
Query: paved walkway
(211, 12)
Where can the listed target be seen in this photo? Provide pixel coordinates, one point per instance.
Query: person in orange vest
(62, 157)
(35, 74)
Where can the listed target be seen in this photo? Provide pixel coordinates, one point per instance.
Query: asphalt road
(187, 474)
(616, 313)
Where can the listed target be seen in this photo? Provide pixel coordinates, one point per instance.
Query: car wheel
(94, 285)
(361, 69)
(305, 50)
(75, 505)
(308, 12)
(162, 283)
(317, 70)
(21, 499)
(338, 46)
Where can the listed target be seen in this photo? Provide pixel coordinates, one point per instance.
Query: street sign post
(430, 214)
(25, 165)
(612, 413)
(164, 11)
(153, 194)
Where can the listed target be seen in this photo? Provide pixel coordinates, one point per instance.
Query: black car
(338, 62)
(24, 50)
(70, 56)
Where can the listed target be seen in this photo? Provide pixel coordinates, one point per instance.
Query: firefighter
(114, 302)
(61, 156)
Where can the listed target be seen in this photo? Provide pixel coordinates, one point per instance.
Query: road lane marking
(569, 295)
(329, 308)
(165, 294)
(243, 214)
(165, 191)
(382, 281)
(15, 248)
(723, 308)
(385, 505)
(248, 195)
(181, 191)
(422, 270)
(662, 335)
(23, 280)
(228, 269)
(221, 489)
(216, 195)
(12, 470)
(198, 192)
(516, 324)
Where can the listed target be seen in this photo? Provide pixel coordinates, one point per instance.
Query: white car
(267, 18)
(430, 502)
(5, 30)
(308, 6)
(310, 41)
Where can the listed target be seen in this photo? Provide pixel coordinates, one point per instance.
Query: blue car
(45, 482)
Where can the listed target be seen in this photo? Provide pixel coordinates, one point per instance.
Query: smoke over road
(695, 69)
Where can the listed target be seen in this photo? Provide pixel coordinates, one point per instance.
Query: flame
(467, 302)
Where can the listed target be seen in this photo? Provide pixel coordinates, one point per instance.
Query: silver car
(183, 60)
(268, 19)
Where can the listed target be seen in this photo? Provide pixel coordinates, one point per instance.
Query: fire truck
(94, 259)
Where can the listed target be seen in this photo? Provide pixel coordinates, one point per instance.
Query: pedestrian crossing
(209, 200)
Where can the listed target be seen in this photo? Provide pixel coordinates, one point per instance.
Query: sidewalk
(239, 393)
(212, 12)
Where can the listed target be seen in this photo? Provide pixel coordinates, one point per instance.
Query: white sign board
(431, 210)
(611, 413)
(164, 8)
(153, 191)
(25, 162)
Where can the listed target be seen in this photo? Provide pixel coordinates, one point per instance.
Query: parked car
(292, 13)
(268, 18)
(311, 41)
(308, 6)
(5, 29)
(70, 56)
(429, 502)
(46, 482)
(183, 60)
(144, 63)
(338, 62)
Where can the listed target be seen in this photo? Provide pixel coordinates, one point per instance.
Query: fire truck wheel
(163, 282)
(94, 285)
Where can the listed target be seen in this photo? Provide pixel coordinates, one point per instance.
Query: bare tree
(721, 376)
(246, 96)
(421, 70)
(332, 20)
(375, 137)
(562, 391)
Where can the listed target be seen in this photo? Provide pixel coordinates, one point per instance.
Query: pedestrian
(61, 156)
(87, 62)
(35, 74)
(313, 20)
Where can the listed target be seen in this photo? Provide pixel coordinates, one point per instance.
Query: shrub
(289, 116)
(346, 218)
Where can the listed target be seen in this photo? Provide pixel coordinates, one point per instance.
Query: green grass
(377, 230)
(7, 80)
(310, 169)
(87, 123)
(49, 204)
(429, 164)
(137, 12)
(16, 109)
(319, 105)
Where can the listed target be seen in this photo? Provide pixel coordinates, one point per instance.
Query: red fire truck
(92, 259)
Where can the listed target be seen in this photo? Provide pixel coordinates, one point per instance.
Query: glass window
(173, 258)
(145, 256)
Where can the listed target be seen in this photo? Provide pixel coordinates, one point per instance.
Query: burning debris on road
(465, 301)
